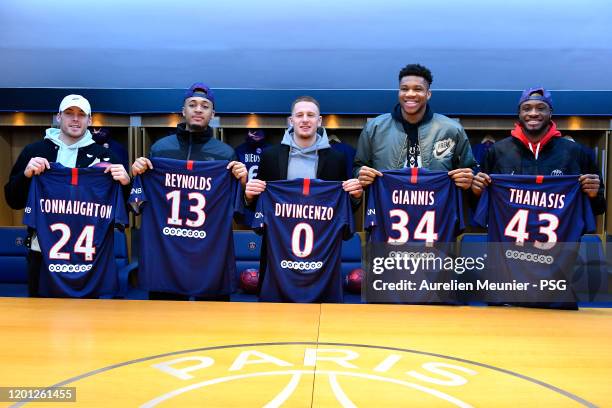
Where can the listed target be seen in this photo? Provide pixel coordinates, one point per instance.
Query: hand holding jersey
(413, 136)
(238, 169)
(536, 147)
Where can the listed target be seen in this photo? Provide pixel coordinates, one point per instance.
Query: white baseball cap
(75, 100)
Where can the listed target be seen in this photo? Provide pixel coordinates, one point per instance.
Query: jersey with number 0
(537, 209)
(413, 204)
(186, 244)
(305, 222)
(74, 211)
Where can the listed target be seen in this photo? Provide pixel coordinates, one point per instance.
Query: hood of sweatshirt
(67, 154)
(321, 142)
(535, 148)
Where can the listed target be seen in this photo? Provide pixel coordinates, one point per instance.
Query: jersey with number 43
(535, 223)
(541, 210)
(305, 222)
(186, 244)
(413, 204)
(73, 211)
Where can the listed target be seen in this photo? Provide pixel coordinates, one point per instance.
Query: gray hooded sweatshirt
(303, 161)
(67, 154)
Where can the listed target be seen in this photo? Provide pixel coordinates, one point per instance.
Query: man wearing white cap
(72, 146)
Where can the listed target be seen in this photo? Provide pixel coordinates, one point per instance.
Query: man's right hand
(253, 189)
(367, 175)
(141, 165)
(480, 182)
(36, 166)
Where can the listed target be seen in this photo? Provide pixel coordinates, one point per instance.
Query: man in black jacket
(71, 145)
(304, 152)
(536, 147)
(193, 140)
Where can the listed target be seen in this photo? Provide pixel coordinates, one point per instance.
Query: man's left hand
(239, 171)
(590, 184)
(462, 177)
(353, 187)
(119, 174)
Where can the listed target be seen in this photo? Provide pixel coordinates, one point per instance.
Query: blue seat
(13, 263)
(351, 255)
(590, 278)
(122, 260)
(247, 247)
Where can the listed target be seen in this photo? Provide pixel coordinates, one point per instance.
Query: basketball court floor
(118, 353)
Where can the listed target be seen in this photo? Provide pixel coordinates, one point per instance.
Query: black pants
(34, 262)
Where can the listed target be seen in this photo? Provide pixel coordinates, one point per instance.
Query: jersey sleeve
(349, 224)
(137, 195)
(481, 217)
(237, 201)
(259, 219)
(29, 214)
(459, 198)
(120, 211)
(370, 214)
(589, 219)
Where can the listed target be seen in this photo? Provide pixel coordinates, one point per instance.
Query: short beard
(535, 132)
(196, 128)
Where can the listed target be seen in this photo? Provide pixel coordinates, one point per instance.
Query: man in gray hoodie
(71, 145)
(304, 152)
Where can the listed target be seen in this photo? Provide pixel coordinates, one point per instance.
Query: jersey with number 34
(412, 205)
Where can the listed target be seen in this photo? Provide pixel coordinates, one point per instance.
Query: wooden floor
(143, 353)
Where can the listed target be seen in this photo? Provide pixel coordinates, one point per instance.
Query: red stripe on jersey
(306, 187)
(414, 172)
(539, 179)
(189, 164)
(75, 177)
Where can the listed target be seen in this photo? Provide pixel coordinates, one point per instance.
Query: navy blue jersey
(534, 225)
(73, 211)
(413, 204)
(305, 221)
(250, 155)
(187, 244)
(538, 209)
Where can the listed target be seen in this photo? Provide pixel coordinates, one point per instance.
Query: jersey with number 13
(186, 240)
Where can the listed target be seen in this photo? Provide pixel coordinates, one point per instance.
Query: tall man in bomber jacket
(412, 135)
